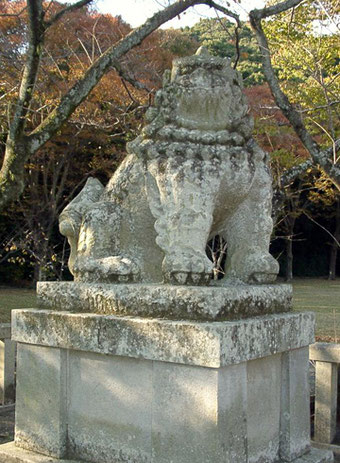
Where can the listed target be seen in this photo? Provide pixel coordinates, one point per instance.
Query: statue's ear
(72, 215)
(90, 193)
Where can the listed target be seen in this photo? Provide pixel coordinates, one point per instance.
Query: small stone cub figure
(193, 173)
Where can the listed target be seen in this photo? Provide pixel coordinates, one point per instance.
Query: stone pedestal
(111, 389)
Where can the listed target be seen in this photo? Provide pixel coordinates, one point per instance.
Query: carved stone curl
(193, 173)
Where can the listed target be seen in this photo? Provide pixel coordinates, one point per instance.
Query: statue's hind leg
(248, 231)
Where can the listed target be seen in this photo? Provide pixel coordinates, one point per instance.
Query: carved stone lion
(193, 173)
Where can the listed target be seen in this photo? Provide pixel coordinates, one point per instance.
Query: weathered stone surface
(40, 422)
(326, 399)
(110, 408)
(9, 453)
(211, 344)
(7, 370)
(232, 411)
(121, 409)
(263, 408)
(316, 456)
(295, 403)
(185, 419)
(193, 173)
(325, 352)
(173, 302)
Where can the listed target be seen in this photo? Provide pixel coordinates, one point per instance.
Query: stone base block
(9, 453)
(108, 389)
(206, 344)
(228, 302)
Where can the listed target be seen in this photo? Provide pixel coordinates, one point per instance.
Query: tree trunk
(37, 272)
(289, 259)
(290, 224)
(335, 245)
(12, 172)
(332, 262)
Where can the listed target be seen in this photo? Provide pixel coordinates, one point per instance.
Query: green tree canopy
(219, 36)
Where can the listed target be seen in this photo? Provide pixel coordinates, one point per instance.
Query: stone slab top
(208, 344)
(325, 352)
(229, 302)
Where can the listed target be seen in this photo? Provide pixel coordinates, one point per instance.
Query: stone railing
(327, 358)
(7, 365)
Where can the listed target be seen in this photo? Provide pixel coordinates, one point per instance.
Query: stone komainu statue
(193, 173)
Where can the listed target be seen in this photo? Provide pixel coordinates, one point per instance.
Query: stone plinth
(109, 389)
(228, 302)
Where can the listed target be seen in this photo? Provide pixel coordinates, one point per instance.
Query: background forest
(305, 55)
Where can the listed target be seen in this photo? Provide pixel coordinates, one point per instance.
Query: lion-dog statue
(193, 173)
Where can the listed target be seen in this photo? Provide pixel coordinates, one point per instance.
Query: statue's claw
(113, 269)
(193, 269)
(255, 267)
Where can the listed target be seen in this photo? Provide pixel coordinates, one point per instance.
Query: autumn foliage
(93, 140)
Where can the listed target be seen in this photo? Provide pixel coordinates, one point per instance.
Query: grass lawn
(322, 297)
(15, 298)
(316, 294)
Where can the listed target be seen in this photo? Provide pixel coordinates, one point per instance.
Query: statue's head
(209, 93)
(201, 102)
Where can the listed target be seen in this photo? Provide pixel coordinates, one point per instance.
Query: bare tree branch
(235, 16)
(316, 108)
(11, 15)
(237, 38)
(291, 174)
(323, 228)
(68, 9)
(135, 83)
(224, 10)
(274, 9)
(134, 101)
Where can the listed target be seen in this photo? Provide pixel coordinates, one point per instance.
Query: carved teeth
(196, 278)
(180, 277)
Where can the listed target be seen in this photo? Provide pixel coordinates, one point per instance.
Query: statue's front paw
(112, 269)
(264, 269)
(187, 269)
(256, 268)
